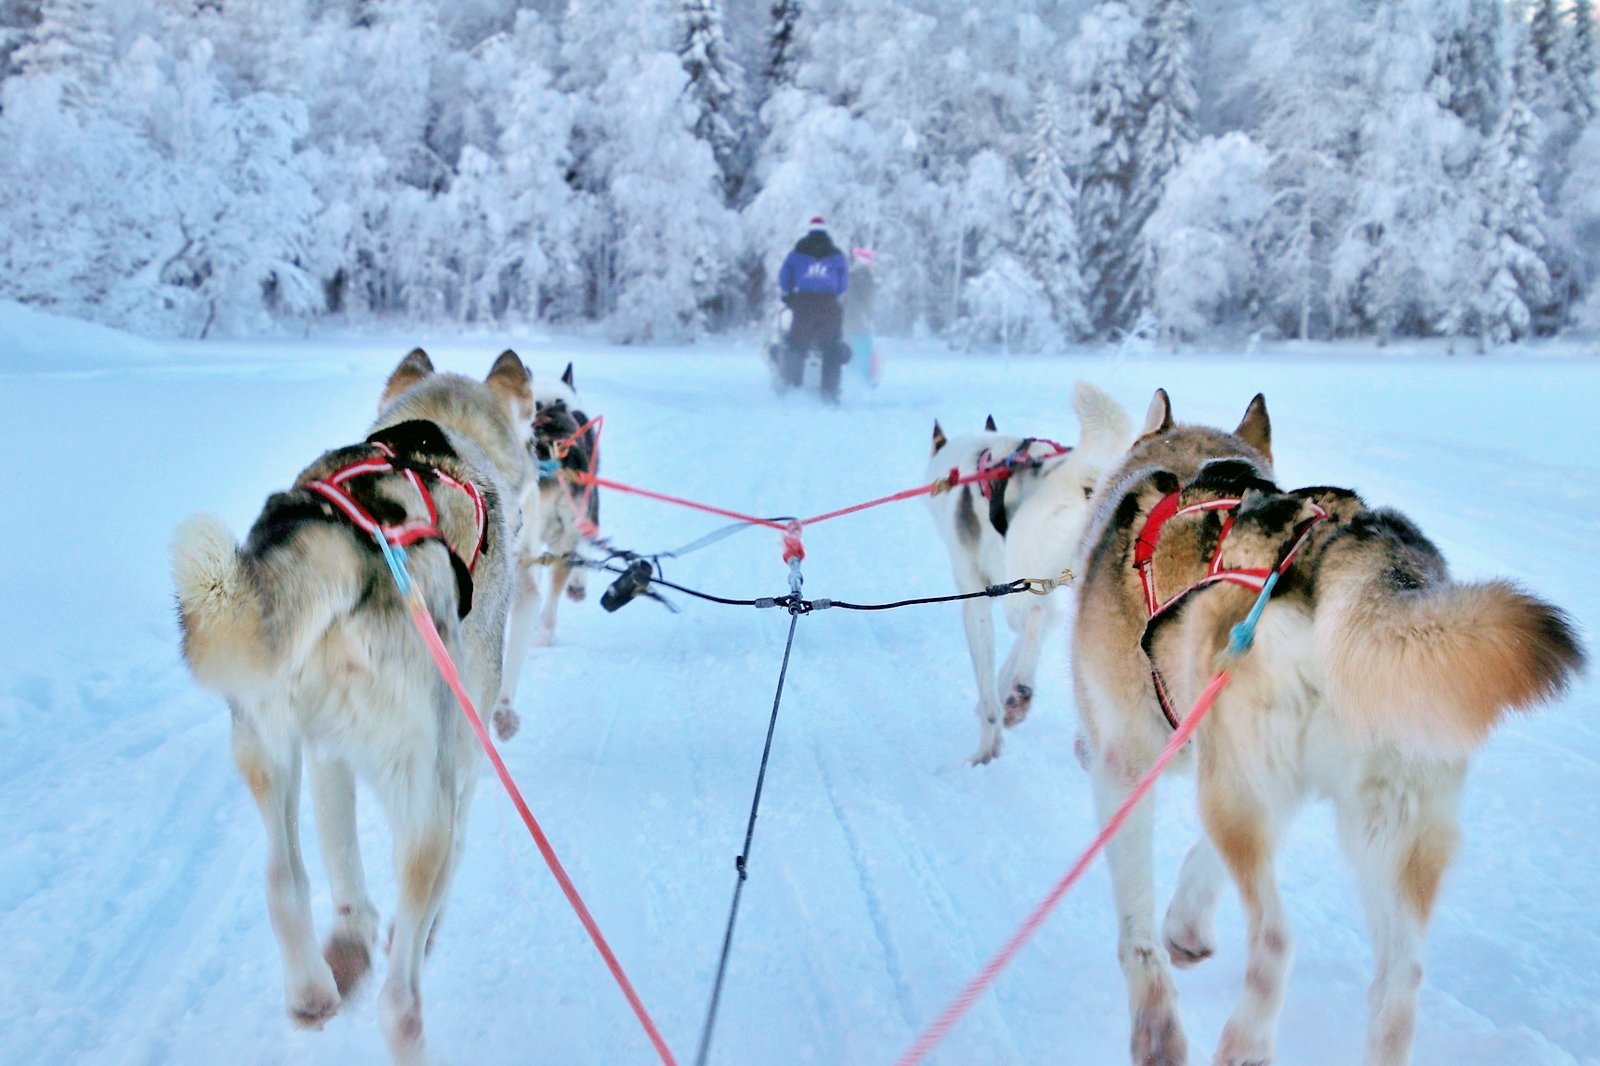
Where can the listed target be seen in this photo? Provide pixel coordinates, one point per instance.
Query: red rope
(424, 623)
(607, 483)
(975, 988)
(790, 530)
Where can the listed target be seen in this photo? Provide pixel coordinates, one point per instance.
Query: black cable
(806, 606)
(741, 864)
(992, 591)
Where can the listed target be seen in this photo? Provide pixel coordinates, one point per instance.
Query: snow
(884, 869)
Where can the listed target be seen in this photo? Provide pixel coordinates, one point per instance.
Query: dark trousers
(815, 327)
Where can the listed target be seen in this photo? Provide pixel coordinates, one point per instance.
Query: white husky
(1026, 524)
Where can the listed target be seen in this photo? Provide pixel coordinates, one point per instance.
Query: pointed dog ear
(412, 369)
(1158, 419)
(988, 424)
(512, 385)
(1255, 429)
(566, 377)
(939, 439)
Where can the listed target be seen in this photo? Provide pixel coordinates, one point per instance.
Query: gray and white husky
(1373, 677)
(1027, 525)
(551, 527)
(303, 631)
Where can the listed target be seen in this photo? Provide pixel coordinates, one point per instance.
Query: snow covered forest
(1031, 173)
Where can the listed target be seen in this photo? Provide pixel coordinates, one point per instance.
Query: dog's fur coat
(550, 530)
(304, 632)
(1045, 505)
(1372, 678)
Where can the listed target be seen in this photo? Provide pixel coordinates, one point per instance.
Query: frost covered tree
(782, 58)
(1048, 241)
(1512, 278)
(232, 214)
(1166, 129)
(1469, 64)
(655, 236)
(71, 43)
(715, 90)
(1110, 89)
(1204, 233)
(1393, 266)
(1007, 308)
(1580, 57)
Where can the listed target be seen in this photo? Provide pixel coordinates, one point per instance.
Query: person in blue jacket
(812, 279)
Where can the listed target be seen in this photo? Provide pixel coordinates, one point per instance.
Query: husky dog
(1373, 677)
(1026, 524)
(304, 632)
(551, 527)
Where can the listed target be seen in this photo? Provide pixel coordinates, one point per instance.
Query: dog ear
(412, 369)
(939, 439)
(512, 385)
(1255, 429)
(988, 424)
(566, 377)
(1158, 419)
(1105, 429)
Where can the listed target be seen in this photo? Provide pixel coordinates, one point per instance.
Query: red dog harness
(1252, 578)
(992, 475)
(333, 489)
(993, 472)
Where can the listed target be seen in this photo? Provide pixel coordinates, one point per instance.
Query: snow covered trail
(884, 869)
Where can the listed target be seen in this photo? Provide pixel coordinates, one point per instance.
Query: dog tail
(247, 620)
(1416, 660)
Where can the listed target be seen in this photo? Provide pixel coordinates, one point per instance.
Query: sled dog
(1373, 677)
(1026, 524)
(302, 629)
(551, 527)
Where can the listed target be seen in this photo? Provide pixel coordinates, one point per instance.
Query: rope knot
(793, 550)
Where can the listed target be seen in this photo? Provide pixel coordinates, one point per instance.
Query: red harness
(1252, 578)
(332, 488)
(991, 472)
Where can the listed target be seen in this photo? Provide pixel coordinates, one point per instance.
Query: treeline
(1031, 173)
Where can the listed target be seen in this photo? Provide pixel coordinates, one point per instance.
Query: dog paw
(577, 593)
(1241, 1048)
(1018, 701)
(506, 720)
(311, 1005)
(1158, 1040)
(1187, 948)
(987, 752)
(349, 956)
(544, 638)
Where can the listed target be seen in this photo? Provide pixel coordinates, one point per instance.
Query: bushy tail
(1416, 660)
(244, 623)
(1106, 428)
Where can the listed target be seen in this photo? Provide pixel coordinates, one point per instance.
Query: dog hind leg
(524, 605)
(1243, 830)
(1029, 623)
(1399, 839)
(420, 795)
(272, 772)
(1157, 1038)
(560, 572)
(978, 621)
(1189, 930)
(349, 947)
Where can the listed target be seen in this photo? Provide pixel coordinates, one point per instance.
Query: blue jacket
(815, 265)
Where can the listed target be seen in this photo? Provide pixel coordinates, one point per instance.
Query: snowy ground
(885, 870)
